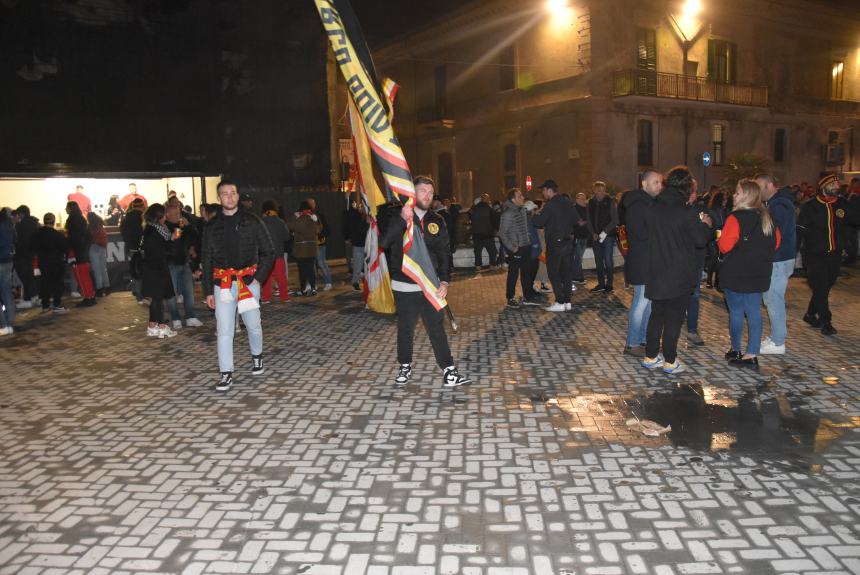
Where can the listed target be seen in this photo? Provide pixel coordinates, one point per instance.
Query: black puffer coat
(155, 275)
(636, 206)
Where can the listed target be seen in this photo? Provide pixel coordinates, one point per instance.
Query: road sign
(528, 183)
(706, 159)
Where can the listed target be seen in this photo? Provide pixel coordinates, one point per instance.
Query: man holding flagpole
(408, 294)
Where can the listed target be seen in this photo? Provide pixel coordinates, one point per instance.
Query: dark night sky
(379, 18)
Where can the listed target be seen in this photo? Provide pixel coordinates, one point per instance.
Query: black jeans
(409, 306)
(519, 264)
(559, 257)
(821, 272)
(24, 269)
(307, 273)
(481, 244)
(850, 244)
(156, 310)
(51, 289)
(667, 316)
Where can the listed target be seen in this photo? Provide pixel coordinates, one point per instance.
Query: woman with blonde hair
(748, 243)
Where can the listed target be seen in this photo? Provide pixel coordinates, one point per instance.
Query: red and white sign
(528, 183)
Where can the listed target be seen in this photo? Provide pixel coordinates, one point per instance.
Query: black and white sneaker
(257, 365)
(404, 375)
(513, 303)
(454, 379)
(226, 381)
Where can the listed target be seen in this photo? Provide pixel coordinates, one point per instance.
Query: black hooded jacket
(636, 205)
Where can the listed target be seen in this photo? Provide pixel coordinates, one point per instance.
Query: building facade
(590, 90)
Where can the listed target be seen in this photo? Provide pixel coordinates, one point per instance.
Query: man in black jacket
(675, 231)
(50, 247)
(24, 230)
(580, 236)
(131, 229)
(636, 206)
(408, 297)
(557, 217)
(237, 258)
(483, 219)
(602, 223)
(821, 228)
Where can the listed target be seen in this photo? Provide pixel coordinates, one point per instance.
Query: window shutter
(733, 64)
(712, 59)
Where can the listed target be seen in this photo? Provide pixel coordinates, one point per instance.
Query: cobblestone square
(117, 457)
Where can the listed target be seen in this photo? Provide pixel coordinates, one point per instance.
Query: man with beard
(408, 296)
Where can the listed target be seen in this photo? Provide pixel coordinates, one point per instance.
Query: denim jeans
(693, 304)
(183, 284)
(7, 300)
(579, 247)
(98, 264)
(603, 260)
(357, 263)
(225, 318)
(774, 299)
(740, 305)
(637, 317)
(322, 265)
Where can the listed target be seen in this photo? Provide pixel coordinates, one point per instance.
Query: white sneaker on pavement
(568, 306)
(166, 332)
(153, 331)
(76, 294)
(556, 307)
(327, 287)
(6, 330)
(24, 304)
(193, 322)
(177, 324)
(770, 348)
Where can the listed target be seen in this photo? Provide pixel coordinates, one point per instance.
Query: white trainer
(770, 348)
(556, 307)
(193, 322)
(177, 324)
(568, 306)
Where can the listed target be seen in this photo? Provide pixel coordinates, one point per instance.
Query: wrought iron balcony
(680, 87)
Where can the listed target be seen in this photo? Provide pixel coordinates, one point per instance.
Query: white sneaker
(556, 307)
(177, 324)
(153, 331)
(193, 322)
(572, 288)
(327, 287)
(25, 304)
(6, 330)
(76, 294)
(568, 306)
(166, 332)
(770, 348)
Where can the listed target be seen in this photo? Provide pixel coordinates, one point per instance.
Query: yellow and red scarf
(247, 301)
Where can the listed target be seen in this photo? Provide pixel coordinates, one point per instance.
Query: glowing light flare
(691, 8)
(561, 14)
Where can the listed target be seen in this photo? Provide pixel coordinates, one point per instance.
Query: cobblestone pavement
(117, 457)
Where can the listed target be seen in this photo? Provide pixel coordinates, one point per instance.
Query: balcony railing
(680, 87)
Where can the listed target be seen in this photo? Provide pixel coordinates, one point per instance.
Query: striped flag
(374, 102)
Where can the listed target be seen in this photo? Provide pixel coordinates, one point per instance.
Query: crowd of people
(743, 242)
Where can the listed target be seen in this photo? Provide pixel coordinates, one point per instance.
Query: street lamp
(556, 7)
(692, 8)
(561, 14)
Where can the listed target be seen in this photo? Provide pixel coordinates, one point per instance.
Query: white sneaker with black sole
(403, 375)
(257, 365)
(453, 378)
(226, 381)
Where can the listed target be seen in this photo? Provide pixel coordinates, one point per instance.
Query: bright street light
(692, 8)
(556, 6)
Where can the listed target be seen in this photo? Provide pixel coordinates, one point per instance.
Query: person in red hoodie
(748, 243)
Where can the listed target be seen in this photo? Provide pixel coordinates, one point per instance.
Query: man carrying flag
(408, 294)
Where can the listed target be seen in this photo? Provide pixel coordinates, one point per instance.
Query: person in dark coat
(557, 216)
(580, 236)
(356, 228)
(78, 233)
(24, 230)
(155, 275)
(306, 229)
(603, 225)
(636, 205)
(131, 229)
(280, 234)
(50, 248)
(483, 231)
(675, 231)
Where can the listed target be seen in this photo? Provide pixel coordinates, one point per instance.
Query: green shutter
(732, 76)
(712, 59)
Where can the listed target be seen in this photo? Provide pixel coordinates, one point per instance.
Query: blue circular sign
(706, 159)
